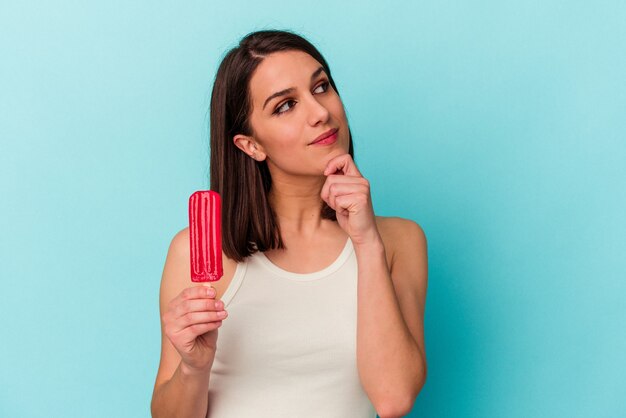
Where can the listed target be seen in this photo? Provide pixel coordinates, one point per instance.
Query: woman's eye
(325, 84)
(278, 112)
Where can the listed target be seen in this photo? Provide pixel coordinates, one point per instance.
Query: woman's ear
(249, 146)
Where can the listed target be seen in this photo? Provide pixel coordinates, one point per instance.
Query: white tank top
(288, 346)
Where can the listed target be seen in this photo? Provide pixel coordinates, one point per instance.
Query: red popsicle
(205, 236)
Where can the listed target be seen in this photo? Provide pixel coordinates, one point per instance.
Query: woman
(325, 300)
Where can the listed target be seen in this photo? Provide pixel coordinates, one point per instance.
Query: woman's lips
(328, 140)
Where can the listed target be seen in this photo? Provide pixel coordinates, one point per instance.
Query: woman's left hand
(348, 193)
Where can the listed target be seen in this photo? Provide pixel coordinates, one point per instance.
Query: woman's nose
(317, 111)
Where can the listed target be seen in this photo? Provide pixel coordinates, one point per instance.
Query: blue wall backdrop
(498, 126)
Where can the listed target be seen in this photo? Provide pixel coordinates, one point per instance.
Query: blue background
(498, 126)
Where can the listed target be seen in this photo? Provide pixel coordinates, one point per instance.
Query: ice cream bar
(205, 236)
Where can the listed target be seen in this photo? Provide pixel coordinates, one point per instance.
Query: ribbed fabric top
(288, 346)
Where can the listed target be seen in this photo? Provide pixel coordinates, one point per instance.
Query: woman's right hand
(191, 322)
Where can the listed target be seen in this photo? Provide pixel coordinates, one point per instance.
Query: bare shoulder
(395, 224)
(400, 235)
(179, 257)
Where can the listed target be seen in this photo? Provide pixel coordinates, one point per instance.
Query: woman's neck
(298, 205)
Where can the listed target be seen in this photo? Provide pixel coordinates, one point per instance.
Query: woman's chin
(336, 152)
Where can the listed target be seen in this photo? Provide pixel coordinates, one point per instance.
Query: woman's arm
(185, 394)
(390, 337)
(179, 391)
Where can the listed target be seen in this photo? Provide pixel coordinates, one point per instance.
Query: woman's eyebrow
(291, 89)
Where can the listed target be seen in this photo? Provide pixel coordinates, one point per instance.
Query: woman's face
(285, 125)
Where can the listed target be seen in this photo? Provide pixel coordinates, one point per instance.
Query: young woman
(320, 310)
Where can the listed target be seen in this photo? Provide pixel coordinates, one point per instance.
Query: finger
(334, 179)
(356, 196)
(344, 204)
(197, 305)
(337, 190)
(194, 292)
(193, 318)
(340, 189)
(192, 331)
(343, 164)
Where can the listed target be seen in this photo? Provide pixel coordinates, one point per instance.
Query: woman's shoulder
(395, 225)
(394, 231)
(179, 247)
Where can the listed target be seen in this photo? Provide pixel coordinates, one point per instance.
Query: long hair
(249, 223)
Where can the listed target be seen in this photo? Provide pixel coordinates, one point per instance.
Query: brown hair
(248, 220)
